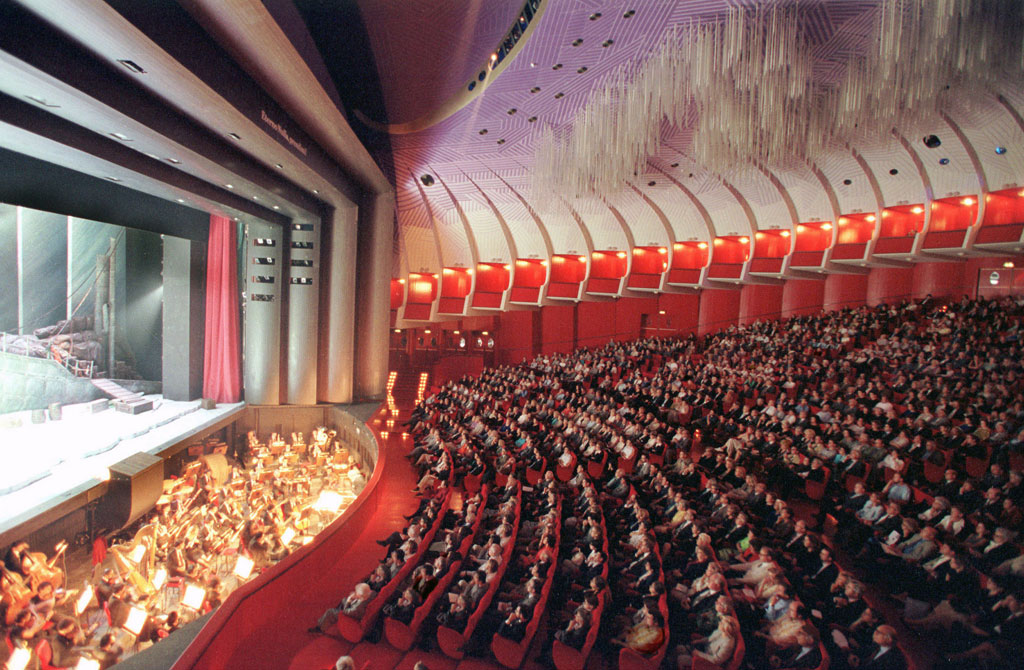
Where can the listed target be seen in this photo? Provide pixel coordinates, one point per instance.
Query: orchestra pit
(574, 334)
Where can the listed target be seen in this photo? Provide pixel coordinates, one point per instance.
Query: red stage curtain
(222, 378)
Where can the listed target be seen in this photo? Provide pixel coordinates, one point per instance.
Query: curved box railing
(257, 603)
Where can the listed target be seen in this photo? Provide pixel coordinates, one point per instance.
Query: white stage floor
(44, 463)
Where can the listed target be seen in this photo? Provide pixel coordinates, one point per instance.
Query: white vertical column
(262, 350)
(303, 291)
(337, 308)
(373, 295)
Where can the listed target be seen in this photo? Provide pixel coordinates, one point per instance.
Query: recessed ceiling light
(316, 191)
(278, 166)
(255, 197)
(894, 172)
(1000, 151)
(234, 136)
(113, 178)
(595, 16)
(483, 131)
(532, 119)
(174, 160)
(630, 14)
(41, 101)
(277, 207)
(607, 43)
(847, 182)
(535, 89)
(512, 111)
(932, 141)
(533, 65)
(581, 70)
(943, 161)
(427, 179)
(502, 141)
(230, 185)
(181, 200)
(578, 41)
(131, 65)
(652, 183)
(556, 66)
(121, 136)
(675, 165)
(559, 95)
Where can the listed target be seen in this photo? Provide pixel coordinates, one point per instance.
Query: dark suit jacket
(890, 660)
(812, 659)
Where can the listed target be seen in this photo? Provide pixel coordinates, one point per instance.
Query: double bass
(40, 570)
(16, 594)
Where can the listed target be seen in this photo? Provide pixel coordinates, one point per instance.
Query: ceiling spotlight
(1000, 151)
(595, 16)
(535, 89)
(427, 180)
(316, 191)
(675, 165)
(501, 141)
(278, 166)
(121, 136)
(556, 66)
(847, 182)
(559, 96)
(532, 119)
(174, 161)
(230, 185)
(943, 161)
(652, 183)
(131, 65)
(234, 136)
(113, 178)
(932, 141)
(276, 206)
(255, 197)
(607, 43)
(581, 70)
(512, 111)
(181, 200)
(578, 41)
(894, 172)
(629, 14)
(483, 131)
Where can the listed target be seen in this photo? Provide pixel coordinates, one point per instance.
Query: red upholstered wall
(719, 308)
(759, 301)
(802, 296)
(514, 336)
(940, 279)
(845, 291)
(887, 283)
(595, 323)
(681, 311)
(557, 325)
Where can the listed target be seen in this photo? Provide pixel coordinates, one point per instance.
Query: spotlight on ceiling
(932, 141)
(943, 161)
(1000, 151)
(428, 180)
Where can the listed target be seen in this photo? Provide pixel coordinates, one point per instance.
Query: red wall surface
(759, 302)
(719, 309)
(845, 291)
(802, 296)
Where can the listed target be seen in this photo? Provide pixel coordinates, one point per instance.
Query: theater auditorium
(480, 334)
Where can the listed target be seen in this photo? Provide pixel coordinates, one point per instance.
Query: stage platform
(49, 467)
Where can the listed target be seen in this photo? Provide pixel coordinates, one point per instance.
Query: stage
(50, 466)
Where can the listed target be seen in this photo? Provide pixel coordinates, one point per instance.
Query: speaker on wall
(135, 485)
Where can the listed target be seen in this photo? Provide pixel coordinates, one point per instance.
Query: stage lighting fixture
(932, 141)
(428, 180)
